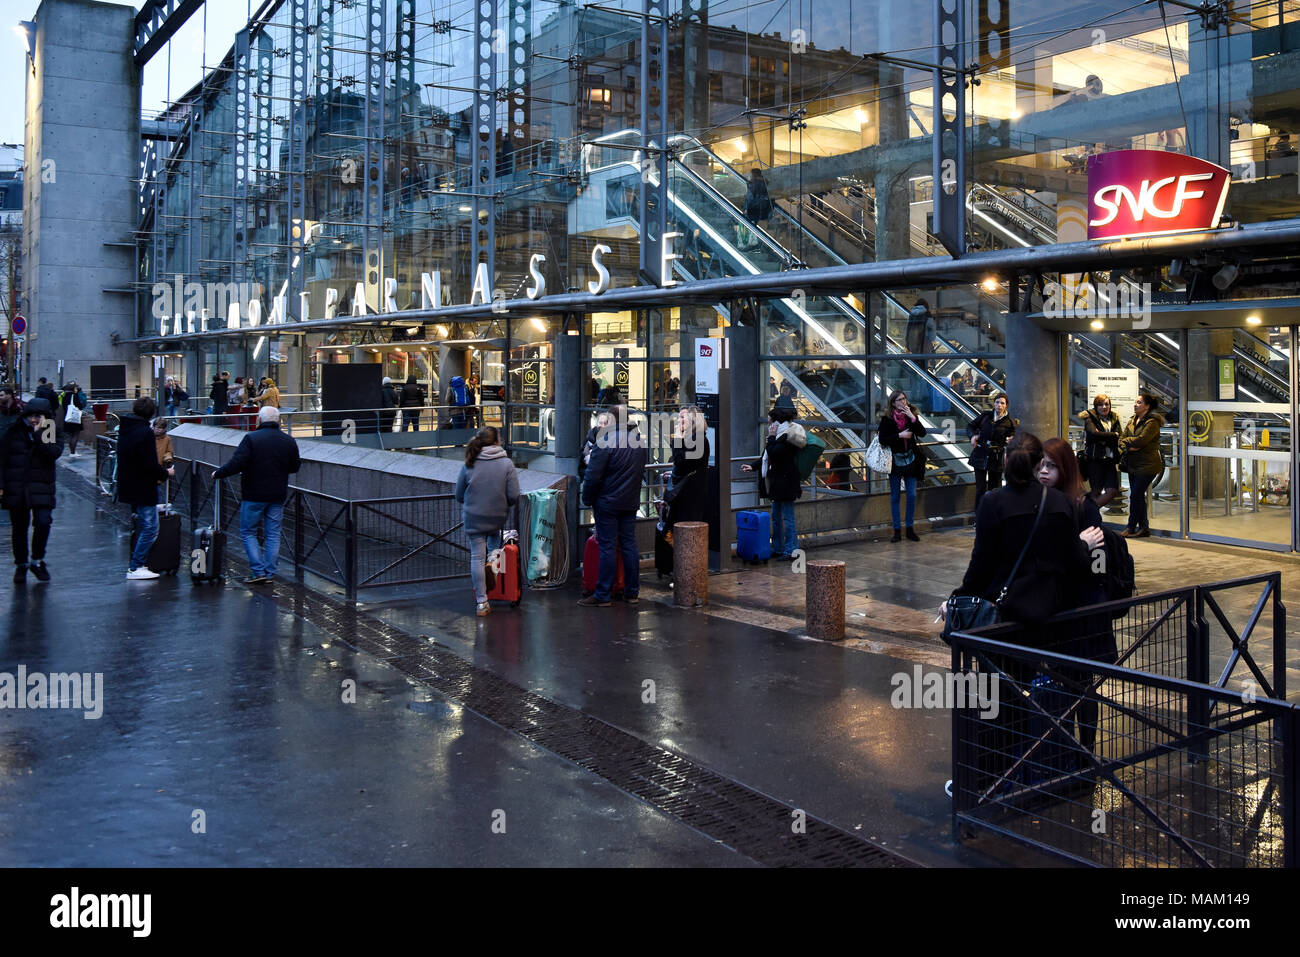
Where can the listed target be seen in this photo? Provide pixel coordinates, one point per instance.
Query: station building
(555, 199)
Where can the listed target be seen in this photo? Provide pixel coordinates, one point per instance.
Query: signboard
(708, 359)
(19, 325)
(1150, 192)
(622, 373)
(1227, 366)
(530, 388)
(1120, 384)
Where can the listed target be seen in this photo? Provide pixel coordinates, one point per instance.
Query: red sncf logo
(1148, 192)
(706, 351)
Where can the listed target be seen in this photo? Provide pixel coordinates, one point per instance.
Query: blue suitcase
(754, 536)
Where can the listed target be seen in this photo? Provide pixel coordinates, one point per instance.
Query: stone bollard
(824, 600)
(691, 563)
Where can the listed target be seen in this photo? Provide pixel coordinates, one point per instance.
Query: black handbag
(966, 612)
(904, 460)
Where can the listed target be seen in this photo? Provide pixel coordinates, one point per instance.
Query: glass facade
(345, 156)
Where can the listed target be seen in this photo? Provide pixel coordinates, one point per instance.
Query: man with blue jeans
(138, 475)
(265, 459)
(612, 489)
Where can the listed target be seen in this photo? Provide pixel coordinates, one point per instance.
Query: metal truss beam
(372, 196)
(654, 137)
(949, 172)
(157, 22)
(483, 138)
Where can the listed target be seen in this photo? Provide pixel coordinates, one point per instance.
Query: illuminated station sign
(1153, 192)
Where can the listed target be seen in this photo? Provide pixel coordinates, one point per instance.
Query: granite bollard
(824, 600)
(691, 563)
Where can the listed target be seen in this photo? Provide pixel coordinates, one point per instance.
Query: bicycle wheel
(108, 476)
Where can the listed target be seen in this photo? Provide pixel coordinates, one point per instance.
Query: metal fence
(1149, 740)
(367, 543)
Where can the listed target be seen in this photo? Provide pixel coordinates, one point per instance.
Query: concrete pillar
(82, 151)
(691, 564)
(893, 215)
(748, 394)
(1033, 376)
(824, 600)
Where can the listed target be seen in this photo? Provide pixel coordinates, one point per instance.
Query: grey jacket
(487, 491)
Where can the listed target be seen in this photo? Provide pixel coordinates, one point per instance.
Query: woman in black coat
(990, 433)
(778, 477)
(1102, 431)
(688, 499)
(28, 451)
(900, 428)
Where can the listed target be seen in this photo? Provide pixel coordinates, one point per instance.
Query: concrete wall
(83, 114)
(350, 472)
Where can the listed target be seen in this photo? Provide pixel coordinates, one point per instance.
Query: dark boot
(40, 571)
(911, 535)
(20, 573)
(898, 535)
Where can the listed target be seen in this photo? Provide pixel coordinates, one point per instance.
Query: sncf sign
(1148, 192)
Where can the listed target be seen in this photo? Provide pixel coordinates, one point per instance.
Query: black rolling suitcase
(208, 557)
(663, 550)
(165, 553)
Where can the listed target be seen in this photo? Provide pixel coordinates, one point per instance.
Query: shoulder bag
(971, 611)
(879, 458)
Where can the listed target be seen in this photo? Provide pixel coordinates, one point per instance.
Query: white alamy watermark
(616, 430)
(1124, 301)
(74, 691)
(939, 689)
(75, 909)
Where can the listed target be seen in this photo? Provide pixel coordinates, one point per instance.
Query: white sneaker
(141, 574)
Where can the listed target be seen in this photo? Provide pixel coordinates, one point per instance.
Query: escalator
(717, 242)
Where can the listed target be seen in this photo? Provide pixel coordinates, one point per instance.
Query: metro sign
(1153, 192)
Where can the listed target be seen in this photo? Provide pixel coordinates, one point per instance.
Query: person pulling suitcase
(138, 475)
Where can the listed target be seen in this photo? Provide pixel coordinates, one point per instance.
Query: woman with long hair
(689, 496)
(1139, 449)
(989, 434)
(487, 487)
(1093, 636)
(900, 427)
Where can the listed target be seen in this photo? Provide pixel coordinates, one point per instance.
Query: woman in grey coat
(487, 487)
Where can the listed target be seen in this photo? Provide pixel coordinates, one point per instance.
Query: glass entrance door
(1239, 444)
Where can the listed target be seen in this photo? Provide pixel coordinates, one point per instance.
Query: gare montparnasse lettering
(430, 295)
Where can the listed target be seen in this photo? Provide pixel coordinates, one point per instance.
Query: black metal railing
(356, 544)
(1107, 741)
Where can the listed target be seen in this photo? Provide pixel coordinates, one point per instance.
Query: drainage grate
(746, 820)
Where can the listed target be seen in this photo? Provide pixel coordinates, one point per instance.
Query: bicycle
(108, 468)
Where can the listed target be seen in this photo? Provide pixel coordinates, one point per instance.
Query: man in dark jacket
(612, 489)
(28, 449)
(413, 400)
(389, 401)
(138, 475)
(266, 458)
(46, 391)
(220, 394)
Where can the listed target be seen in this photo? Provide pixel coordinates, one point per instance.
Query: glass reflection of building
(390, 153)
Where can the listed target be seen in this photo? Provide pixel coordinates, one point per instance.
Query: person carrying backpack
(458, 399)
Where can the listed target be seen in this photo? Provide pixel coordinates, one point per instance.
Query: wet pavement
(229, 702)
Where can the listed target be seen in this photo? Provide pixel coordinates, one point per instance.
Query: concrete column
(82, 150)
(824, 600)
(691, 564)
(1033, 376)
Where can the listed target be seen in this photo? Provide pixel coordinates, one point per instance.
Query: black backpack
(1118, 579)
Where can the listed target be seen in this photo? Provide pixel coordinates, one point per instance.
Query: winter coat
(79, 400)
(1140, 443)
(47, 393)
(266, 458)
(782, 482)
(220, 394)
(163, 446)
(615, 472)
(1057, 561)
(138, 468)
(891, 438)
(994, 433)
(388, 398)
(689, 496)
(27, 467)
(488, 491)
(269, 396)
(1101, 436)
(412, 396)
(758, 205)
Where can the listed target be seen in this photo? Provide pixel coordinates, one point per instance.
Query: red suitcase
(591, 569)
(507, 580)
